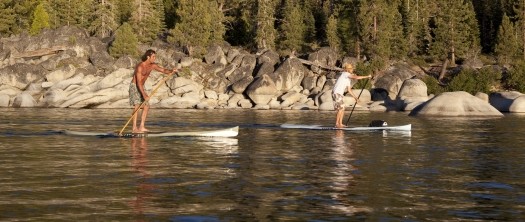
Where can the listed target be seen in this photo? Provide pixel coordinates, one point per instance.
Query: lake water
(446, 169)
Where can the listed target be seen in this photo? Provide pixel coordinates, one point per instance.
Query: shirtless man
(137, 93)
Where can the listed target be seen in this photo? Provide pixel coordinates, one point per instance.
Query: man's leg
(143, 118)
(135, 111)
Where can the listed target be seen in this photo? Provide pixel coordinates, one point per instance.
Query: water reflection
(342, 173)
(220, 145)
(139, 163)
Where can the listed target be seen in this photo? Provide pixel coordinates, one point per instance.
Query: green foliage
(7, 17)
(293, 29)
(104, 19)
(516, 77)
(508, 43)
(266, 34)
(40, 20)
(456, 32)
(332, 36)
(125, 43)
(369, 68)
(200, 26)
(473, 81)
(70, 12)
(433, 86)
(147, 19)
(380, 30)
(375, 29)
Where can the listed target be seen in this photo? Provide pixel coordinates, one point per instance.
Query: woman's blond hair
(348, 66)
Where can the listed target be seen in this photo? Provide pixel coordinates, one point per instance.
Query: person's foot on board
(142, 130)
(340, 126)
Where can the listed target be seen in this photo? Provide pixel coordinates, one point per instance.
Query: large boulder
(503, 100)
(182, 85)
(518, 105)
(242, 84)
(455, 104)
(393, 78)
(24, 100)
(245, 69)
(215, 55)
(413, 92)
(4, 100)
(289, 74)
(20, 75)
(325, 56)
(262, 90)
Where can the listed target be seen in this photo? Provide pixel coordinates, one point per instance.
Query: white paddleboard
(407, 127)
(228, 132)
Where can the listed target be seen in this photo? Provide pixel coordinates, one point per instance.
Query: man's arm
(163, 70)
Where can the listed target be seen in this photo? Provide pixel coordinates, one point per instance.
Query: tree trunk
(358, 50)
(453, 56)
(443, 70)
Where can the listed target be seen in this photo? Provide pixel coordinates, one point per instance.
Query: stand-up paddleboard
(407, 127)
(228, 132)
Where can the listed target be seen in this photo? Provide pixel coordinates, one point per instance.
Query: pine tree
(40, 20)
(125, 43)
(266, 34)
(24, 12)
(125, 10)
(7, 17)
(348, 27)
(104, 20)
(519, 10)
(292, 29)
(415, 21)
(507, 47)
(332, 35)
(239, 17)
(83, 10)
(380, 30)
(200, 25)
(456, 32)
(147, 19)
(488, 14)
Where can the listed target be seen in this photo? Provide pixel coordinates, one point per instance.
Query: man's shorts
(338, 101)
(135, 98)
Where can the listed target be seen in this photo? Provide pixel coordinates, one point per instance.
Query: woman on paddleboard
(137, 93)
(344, 82)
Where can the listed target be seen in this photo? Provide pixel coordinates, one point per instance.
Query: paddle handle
(347, 121)
(144, 102)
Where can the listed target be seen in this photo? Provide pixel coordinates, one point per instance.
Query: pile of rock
(67, 68)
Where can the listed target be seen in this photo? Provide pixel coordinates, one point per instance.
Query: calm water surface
(446, 169)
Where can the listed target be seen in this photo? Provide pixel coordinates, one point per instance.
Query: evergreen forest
(445, 32)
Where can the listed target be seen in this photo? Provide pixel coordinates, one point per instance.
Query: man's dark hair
(148, 52)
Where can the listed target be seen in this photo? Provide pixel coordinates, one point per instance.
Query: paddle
(347, 121)
(144, 103)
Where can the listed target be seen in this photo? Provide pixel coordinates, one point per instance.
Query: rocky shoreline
(66, 68)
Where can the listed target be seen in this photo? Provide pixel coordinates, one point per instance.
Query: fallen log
(40, 52)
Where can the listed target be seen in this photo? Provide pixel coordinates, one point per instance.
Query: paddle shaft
(347, 121)
(144, 103)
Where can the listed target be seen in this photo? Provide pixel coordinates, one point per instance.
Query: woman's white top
(342, 83)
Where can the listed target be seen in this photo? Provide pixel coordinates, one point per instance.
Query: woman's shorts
(338, 101)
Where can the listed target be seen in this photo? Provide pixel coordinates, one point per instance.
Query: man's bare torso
(145, 71)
